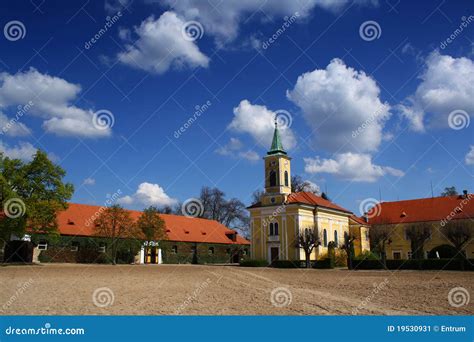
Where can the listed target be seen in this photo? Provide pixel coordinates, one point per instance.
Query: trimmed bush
(253, 263)
(324, 263)
(288, 264)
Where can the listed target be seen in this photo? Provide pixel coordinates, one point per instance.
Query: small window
(367, 237)
(174, 249)
(336, 240)
(275, 229)
(409, 254)
(273, 178)
(271, 229)
(227, 250)
(211, 250)
(102, 247)
(286, 178)
(397, 255)
(74, 246)
(43, 245)
(246, 251)
(325, 238)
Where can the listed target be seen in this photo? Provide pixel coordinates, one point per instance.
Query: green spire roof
(277, 146)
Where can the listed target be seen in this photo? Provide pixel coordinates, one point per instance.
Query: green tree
(35, 191)
(115, 224)
(449, 191)
(152, 225)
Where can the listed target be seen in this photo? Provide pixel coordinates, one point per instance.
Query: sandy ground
(66, 289)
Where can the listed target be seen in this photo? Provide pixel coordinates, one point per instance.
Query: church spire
(277, 146)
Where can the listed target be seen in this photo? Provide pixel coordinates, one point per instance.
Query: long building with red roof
(187, 239)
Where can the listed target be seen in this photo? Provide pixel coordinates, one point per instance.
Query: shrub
(367, 255)
(324, 263)
(253, 263)
(286, 264)
(340, 258)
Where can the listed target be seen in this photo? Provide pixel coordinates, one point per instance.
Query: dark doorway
(19, 251)
(274, 254)
(235, 259)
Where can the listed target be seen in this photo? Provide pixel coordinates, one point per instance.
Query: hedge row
(414, 264)
(253, 263)
(324, 263)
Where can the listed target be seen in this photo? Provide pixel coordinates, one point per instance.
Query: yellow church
(280, 215)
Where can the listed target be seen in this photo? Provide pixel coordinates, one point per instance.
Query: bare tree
(459, 233)
(299, 185)
(348, 246)
(257, 195)
(115, 224)
(418, 233)
(308, 239)
(380, 237)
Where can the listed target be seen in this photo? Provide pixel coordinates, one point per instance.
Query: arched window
(273, 178)
(286, 178)
(275, 229)
(325, 238)
(271, 229)
(335, 238)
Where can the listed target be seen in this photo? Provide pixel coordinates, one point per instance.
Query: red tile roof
(308, 198)
(359, 220)
(423, 210)
(78, 220)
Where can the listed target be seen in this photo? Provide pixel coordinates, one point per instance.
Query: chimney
(464, 192)
(366, 217)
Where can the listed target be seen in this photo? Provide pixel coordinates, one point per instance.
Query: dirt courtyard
(67, 289)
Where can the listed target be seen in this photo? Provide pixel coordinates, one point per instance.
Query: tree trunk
(308, 260)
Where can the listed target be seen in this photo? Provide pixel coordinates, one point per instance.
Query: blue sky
(386, 107)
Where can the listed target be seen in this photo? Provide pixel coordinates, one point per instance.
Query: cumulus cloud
(234, 149)
(259, 122)
(23, 151)
(222, 19)
(89, 181)
(446, 85)
(50, 99)
(343, 107)
(161, 46)
(148, 194)
(12, 127)
(469, 159)
(350, 166)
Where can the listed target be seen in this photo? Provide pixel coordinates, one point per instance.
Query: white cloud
(161, 46)
(469, 159)
(343, 107)
(50, 99)
(12, 127)
(23, 151)
(234, 149)
(312, 187)
(350, 166)
(148, 194)
(89, 181)
(446, 85)
(258, 121)
(114, 6)
(222, 19)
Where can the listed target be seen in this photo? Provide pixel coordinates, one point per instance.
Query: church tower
(277, 172)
